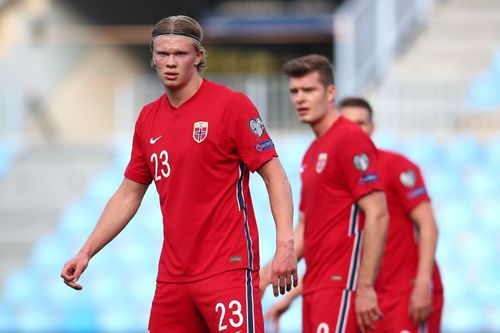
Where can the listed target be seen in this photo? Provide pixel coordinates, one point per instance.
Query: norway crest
(200, 131)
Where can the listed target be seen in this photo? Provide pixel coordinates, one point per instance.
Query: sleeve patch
(264, 145)
(408, 178)
(416, 193)
(368, 178)
(361, 162)
(256, 126)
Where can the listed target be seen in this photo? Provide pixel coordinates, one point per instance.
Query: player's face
(360, 116)
(175, 58)
(311, 98)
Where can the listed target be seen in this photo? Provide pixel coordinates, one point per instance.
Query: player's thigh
(230, 302)
(173, 310)
(329, 311)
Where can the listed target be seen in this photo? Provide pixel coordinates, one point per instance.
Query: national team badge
(408, 178)
(321, 164)
(200, 131)
(361, 162)
(256, 126)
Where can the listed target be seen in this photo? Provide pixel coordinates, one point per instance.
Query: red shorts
(227, 302)
(329, 311)
(395, 308)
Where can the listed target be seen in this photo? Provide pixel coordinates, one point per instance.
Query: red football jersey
(337, 170)
(405, 189)
(199, 156)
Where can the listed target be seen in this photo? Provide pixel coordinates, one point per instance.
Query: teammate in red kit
(343, 214)
(408, 285)
(197, 143)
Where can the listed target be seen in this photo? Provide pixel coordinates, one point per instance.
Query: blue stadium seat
(423, 150)
(103, 185)
(481, 182)
(79, 317)
(442, 182)
(493, 318)
(21, 287)
(466, 316)
(49, 254)
(35, 317)
(6, 319)
(77, 221)
(492, 152)
(387, 140)
(454, 215)
(484, 92)
(463, 150)
(121, 317)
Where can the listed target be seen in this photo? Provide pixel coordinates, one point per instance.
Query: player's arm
(284, 264)
(421, 298)
(119, 210)
(374, 234)
(274, 313)
(298, 237)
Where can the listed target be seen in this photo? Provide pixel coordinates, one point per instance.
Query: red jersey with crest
(199, 155)
(405, 189)
(337, 170)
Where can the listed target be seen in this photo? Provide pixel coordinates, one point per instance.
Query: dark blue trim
(243, 207)
(343, 310)
(354, 220)
(250, 320)
(354, 271)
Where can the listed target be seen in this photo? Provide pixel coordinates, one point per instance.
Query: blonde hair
(184, 26)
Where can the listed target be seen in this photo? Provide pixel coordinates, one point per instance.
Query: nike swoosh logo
(153, 141)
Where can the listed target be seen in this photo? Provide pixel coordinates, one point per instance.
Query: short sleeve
(410, 185)
(137, 168)
(247, 133)
(358, 164)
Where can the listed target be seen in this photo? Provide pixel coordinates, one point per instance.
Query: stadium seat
(463, 150)
(492, 152)
(20, 287)
(387, 140)
(35, 317)
(120, 317)
(464, 316)
(6, 320)
(77, 221)
(481, 182)
(49, 254)
(79, 317)
(423, 150)
(484, 92)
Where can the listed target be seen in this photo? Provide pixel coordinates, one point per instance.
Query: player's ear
(152, 64)
(331, 92)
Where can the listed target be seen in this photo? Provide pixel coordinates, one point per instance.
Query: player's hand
(284, 269)
(367, 310)
(421, 302)
(265, 278)
(73, 269)
(274, 313)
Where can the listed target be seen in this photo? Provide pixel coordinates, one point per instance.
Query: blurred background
(74, 75)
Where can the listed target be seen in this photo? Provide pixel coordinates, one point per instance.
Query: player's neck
(178, 96)
(323, 125)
